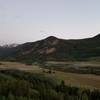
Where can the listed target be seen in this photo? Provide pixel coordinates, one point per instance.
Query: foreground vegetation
(20, 85)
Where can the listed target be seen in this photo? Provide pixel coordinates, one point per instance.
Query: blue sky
(30, 20)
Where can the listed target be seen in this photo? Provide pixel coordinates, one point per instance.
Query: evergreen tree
(10, 97)
(84, 96)
(3, 98)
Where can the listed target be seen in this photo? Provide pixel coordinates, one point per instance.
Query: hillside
(53, 48)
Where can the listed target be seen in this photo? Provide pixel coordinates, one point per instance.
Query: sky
(30, 20)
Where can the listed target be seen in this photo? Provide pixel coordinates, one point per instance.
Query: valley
(51, 69)
(72, 79)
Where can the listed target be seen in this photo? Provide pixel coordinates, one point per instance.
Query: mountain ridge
(53, 48)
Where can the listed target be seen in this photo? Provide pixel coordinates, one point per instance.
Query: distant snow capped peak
(10, 45)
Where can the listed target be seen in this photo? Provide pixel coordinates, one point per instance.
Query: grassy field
(81, 80)
(74, 79)
(19, 66)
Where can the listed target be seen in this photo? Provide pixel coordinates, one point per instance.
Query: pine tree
(10, 97)
(3, 98)
(84, 97)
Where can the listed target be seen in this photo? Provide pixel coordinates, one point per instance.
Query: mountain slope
(53, 48)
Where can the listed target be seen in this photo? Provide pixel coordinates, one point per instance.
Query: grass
(19, 66)
(82, 80)
(74, 79)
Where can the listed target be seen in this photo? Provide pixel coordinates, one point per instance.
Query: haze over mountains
(53, 48)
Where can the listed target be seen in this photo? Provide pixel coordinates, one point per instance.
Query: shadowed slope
(52, 48)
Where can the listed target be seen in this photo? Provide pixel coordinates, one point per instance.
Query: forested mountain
(53, 48)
